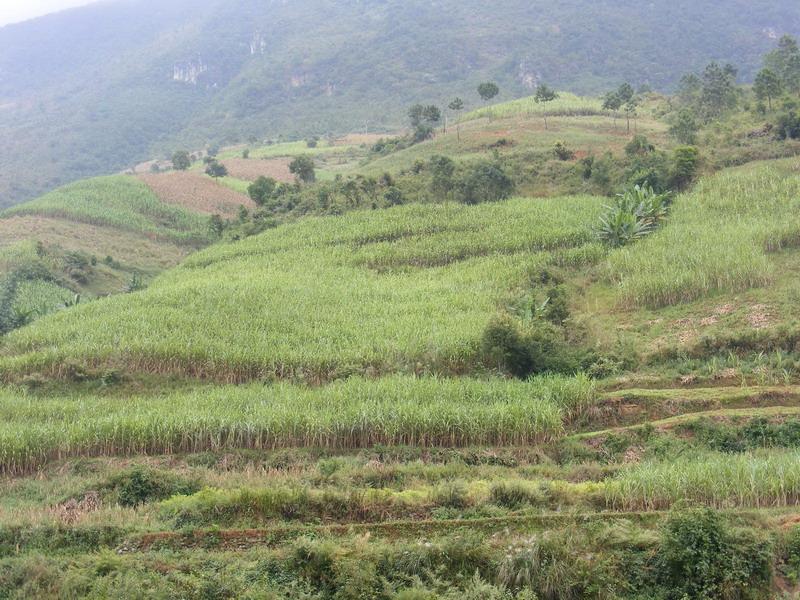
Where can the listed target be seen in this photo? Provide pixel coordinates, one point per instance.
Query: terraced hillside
(98, 237)
(378, 446)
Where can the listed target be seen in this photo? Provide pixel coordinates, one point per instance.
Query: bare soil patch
(195, 192)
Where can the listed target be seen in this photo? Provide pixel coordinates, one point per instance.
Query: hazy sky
(12, 11)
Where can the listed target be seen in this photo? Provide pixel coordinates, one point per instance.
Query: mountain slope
(98, 88)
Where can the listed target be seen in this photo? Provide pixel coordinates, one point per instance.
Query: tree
(181, 160)
(767, 85)
(303, 168)
(626, 93)
(631, 111)
(686, 160)
(718, 92)
(784, 61)
(684, 127)
(216, 169)
(442, 169)
(457, 105)
(488, 90)
(544, 95)
(422, 119)
(612, 102)
(690, 90)
(261, 190)
(432, 114)
(486, 182)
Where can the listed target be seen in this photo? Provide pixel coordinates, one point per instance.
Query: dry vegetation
(131, 248)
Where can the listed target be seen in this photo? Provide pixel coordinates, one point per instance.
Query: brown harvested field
(127, 247)
(196, 192)
(251, 169)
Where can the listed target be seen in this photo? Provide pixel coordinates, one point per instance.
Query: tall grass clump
(355, 413)
(717, 480)
(717, 239)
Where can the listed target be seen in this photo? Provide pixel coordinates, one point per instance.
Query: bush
(261, 190)
(216, 169)
(788, 126)
(540, 348)
(686, 160)
(701, 559)
(504, 347)
(394, 197)
(562, 152)
(557, 310)
(486, 182)
(140, 485)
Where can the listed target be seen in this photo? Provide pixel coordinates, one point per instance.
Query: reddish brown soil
(196, 192)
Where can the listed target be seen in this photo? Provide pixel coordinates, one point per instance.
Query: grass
(117, 201)
(566, 105)
(717, 240)
(405, 289)
(719, 480)
(355, 413)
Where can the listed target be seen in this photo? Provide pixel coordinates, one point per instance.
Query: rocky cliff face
(258, 45)
(189, 72)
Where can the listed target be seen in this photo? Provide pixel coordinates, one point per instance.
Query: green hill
(93, 90)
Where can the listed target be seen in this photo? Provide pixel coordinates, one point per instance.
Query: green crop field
(392, 384)
(566, 105)
(403, 289)
(121, 202)
(356, 413)
(717, 239)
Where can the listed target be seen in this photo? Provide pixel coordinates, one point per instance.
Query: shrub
(557, 309)
(503, 347)
(486, 182)
(686, 160)
(788, 126)
(701, 559)
(261, 190)
(140, 485)
(639, 145)
(302, 168)
(216, 169)
(394, 197)
(562, 152)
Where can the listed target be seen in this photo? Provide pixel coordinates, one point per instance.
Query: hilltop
(98, 89)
